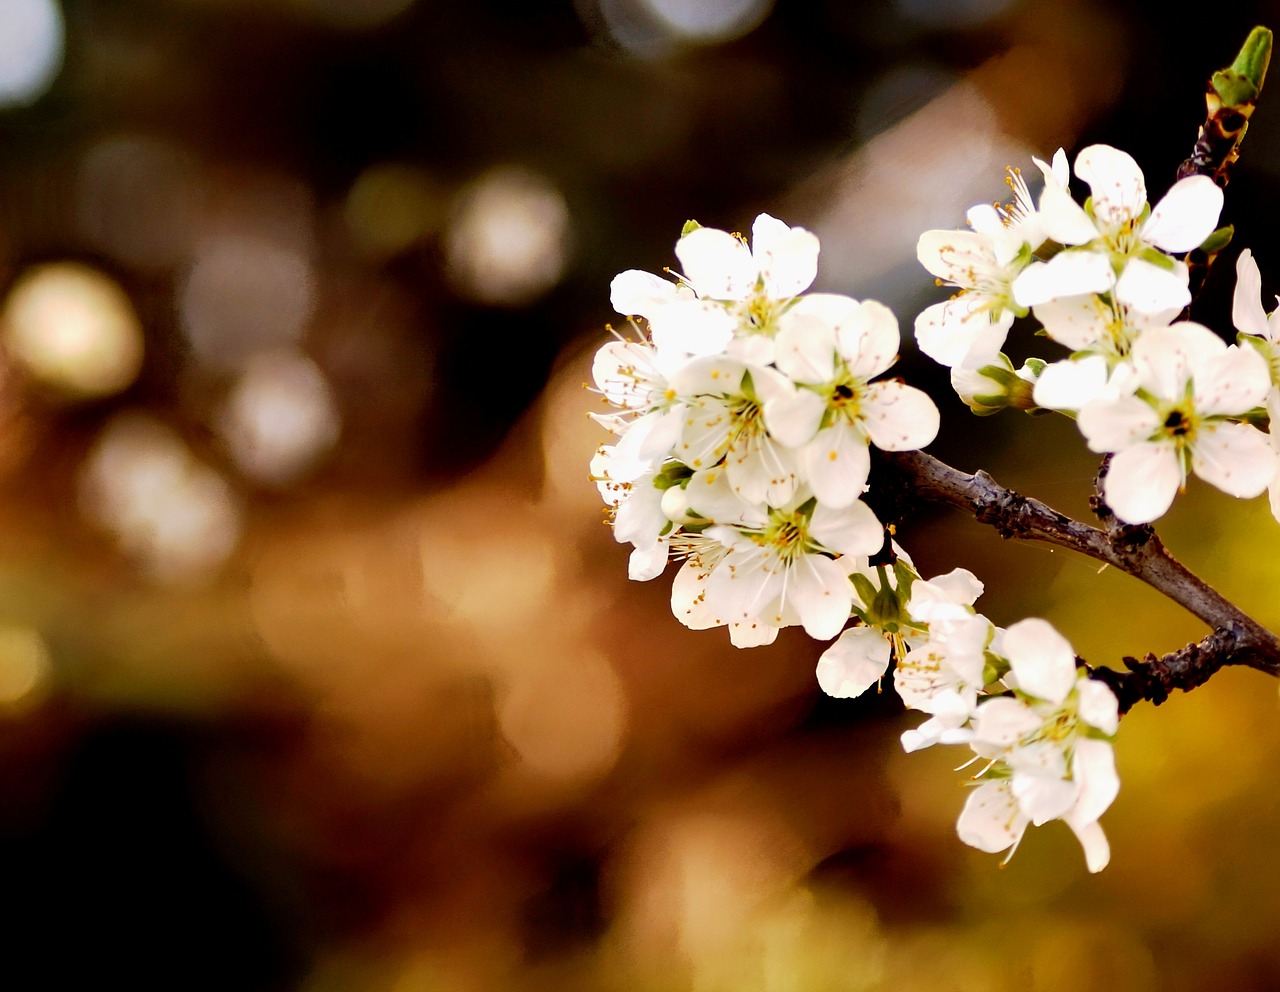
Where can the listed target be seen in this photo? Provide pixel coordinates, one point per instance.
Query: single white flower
(1049, 743)
(832, 346)
(1117, 246)
(982, 264)
(724, 421)
(775, 566)
(749, 288)
(633, 377)
(1190, 388)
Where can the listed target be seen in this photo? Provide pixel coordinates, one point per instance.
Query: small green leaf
(1218, 240)
(689, 227)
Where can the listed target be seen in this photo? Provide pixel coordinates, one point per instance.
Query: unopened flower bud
(992, 388)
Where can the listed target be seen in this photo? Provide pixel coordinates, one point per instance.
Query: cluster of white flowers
(1039, 727)
(743, 409)
(1162, 397)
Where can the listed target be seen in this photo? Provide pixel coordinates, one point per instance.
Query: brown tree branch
(1237, 638)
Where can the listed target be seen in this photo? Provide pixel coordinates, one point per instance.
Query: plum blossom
(1047, 747)
(982, 264)
(832, 346)
(766, 567)
(1189, 391)
(1116, 245)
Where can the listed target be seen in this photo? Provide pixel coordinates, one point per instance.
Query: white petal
(1186, 215)
(868, 340)
(1098, 705)
(955, 256)
(822, 594)
(1003, 721)
(751, 635)
(1075, 321)
(944, 597)
(1070, 385)
(1042, 659)
(704, 436)
(716, 264)
(836, 465)
(1061, 218)
(744, 585)
(761, 470)
(794, 418)
(710, 495)
(854, 663)
(1142, 481)
(1237, 458)
(1232, 383)
(1094, 767)
(961, 332)
(1115, 181)
(805, 346)
(1149, 288)
(688, 598)
(1247, 312)
(639, 293)
(899, 417)
(1097, 852)
(1113, 425)
(693, 327)
(648, 562)
(850, 530)
(1044, 797)
(1167, 356)
(991, 820)
(786, 256)
(1068, 273)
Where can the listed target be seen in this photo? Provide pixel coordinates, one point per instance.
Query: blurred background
(317, 668)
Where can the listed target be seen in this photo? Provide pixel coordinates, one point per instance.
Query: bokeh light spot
(390, 207)
(280, 418)
(73, 328)
(711, 20)
(32, 37)
(567, 716)
(173, 514)
(25, 665)
(509, 238)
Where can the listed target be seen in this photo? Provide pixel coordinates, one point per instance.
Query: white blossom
(1117, 246)
(833, 346)
(1190, 388)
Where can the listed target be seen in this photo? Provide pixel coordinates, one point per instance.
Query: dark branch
(1237, 638)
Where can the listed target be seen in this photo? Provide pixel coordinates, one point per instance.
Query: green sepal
(673, 473)
(865, 590)
(887, 608)
(1158, 258)
(1218, 240)
(689, 227)
(904, 575)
